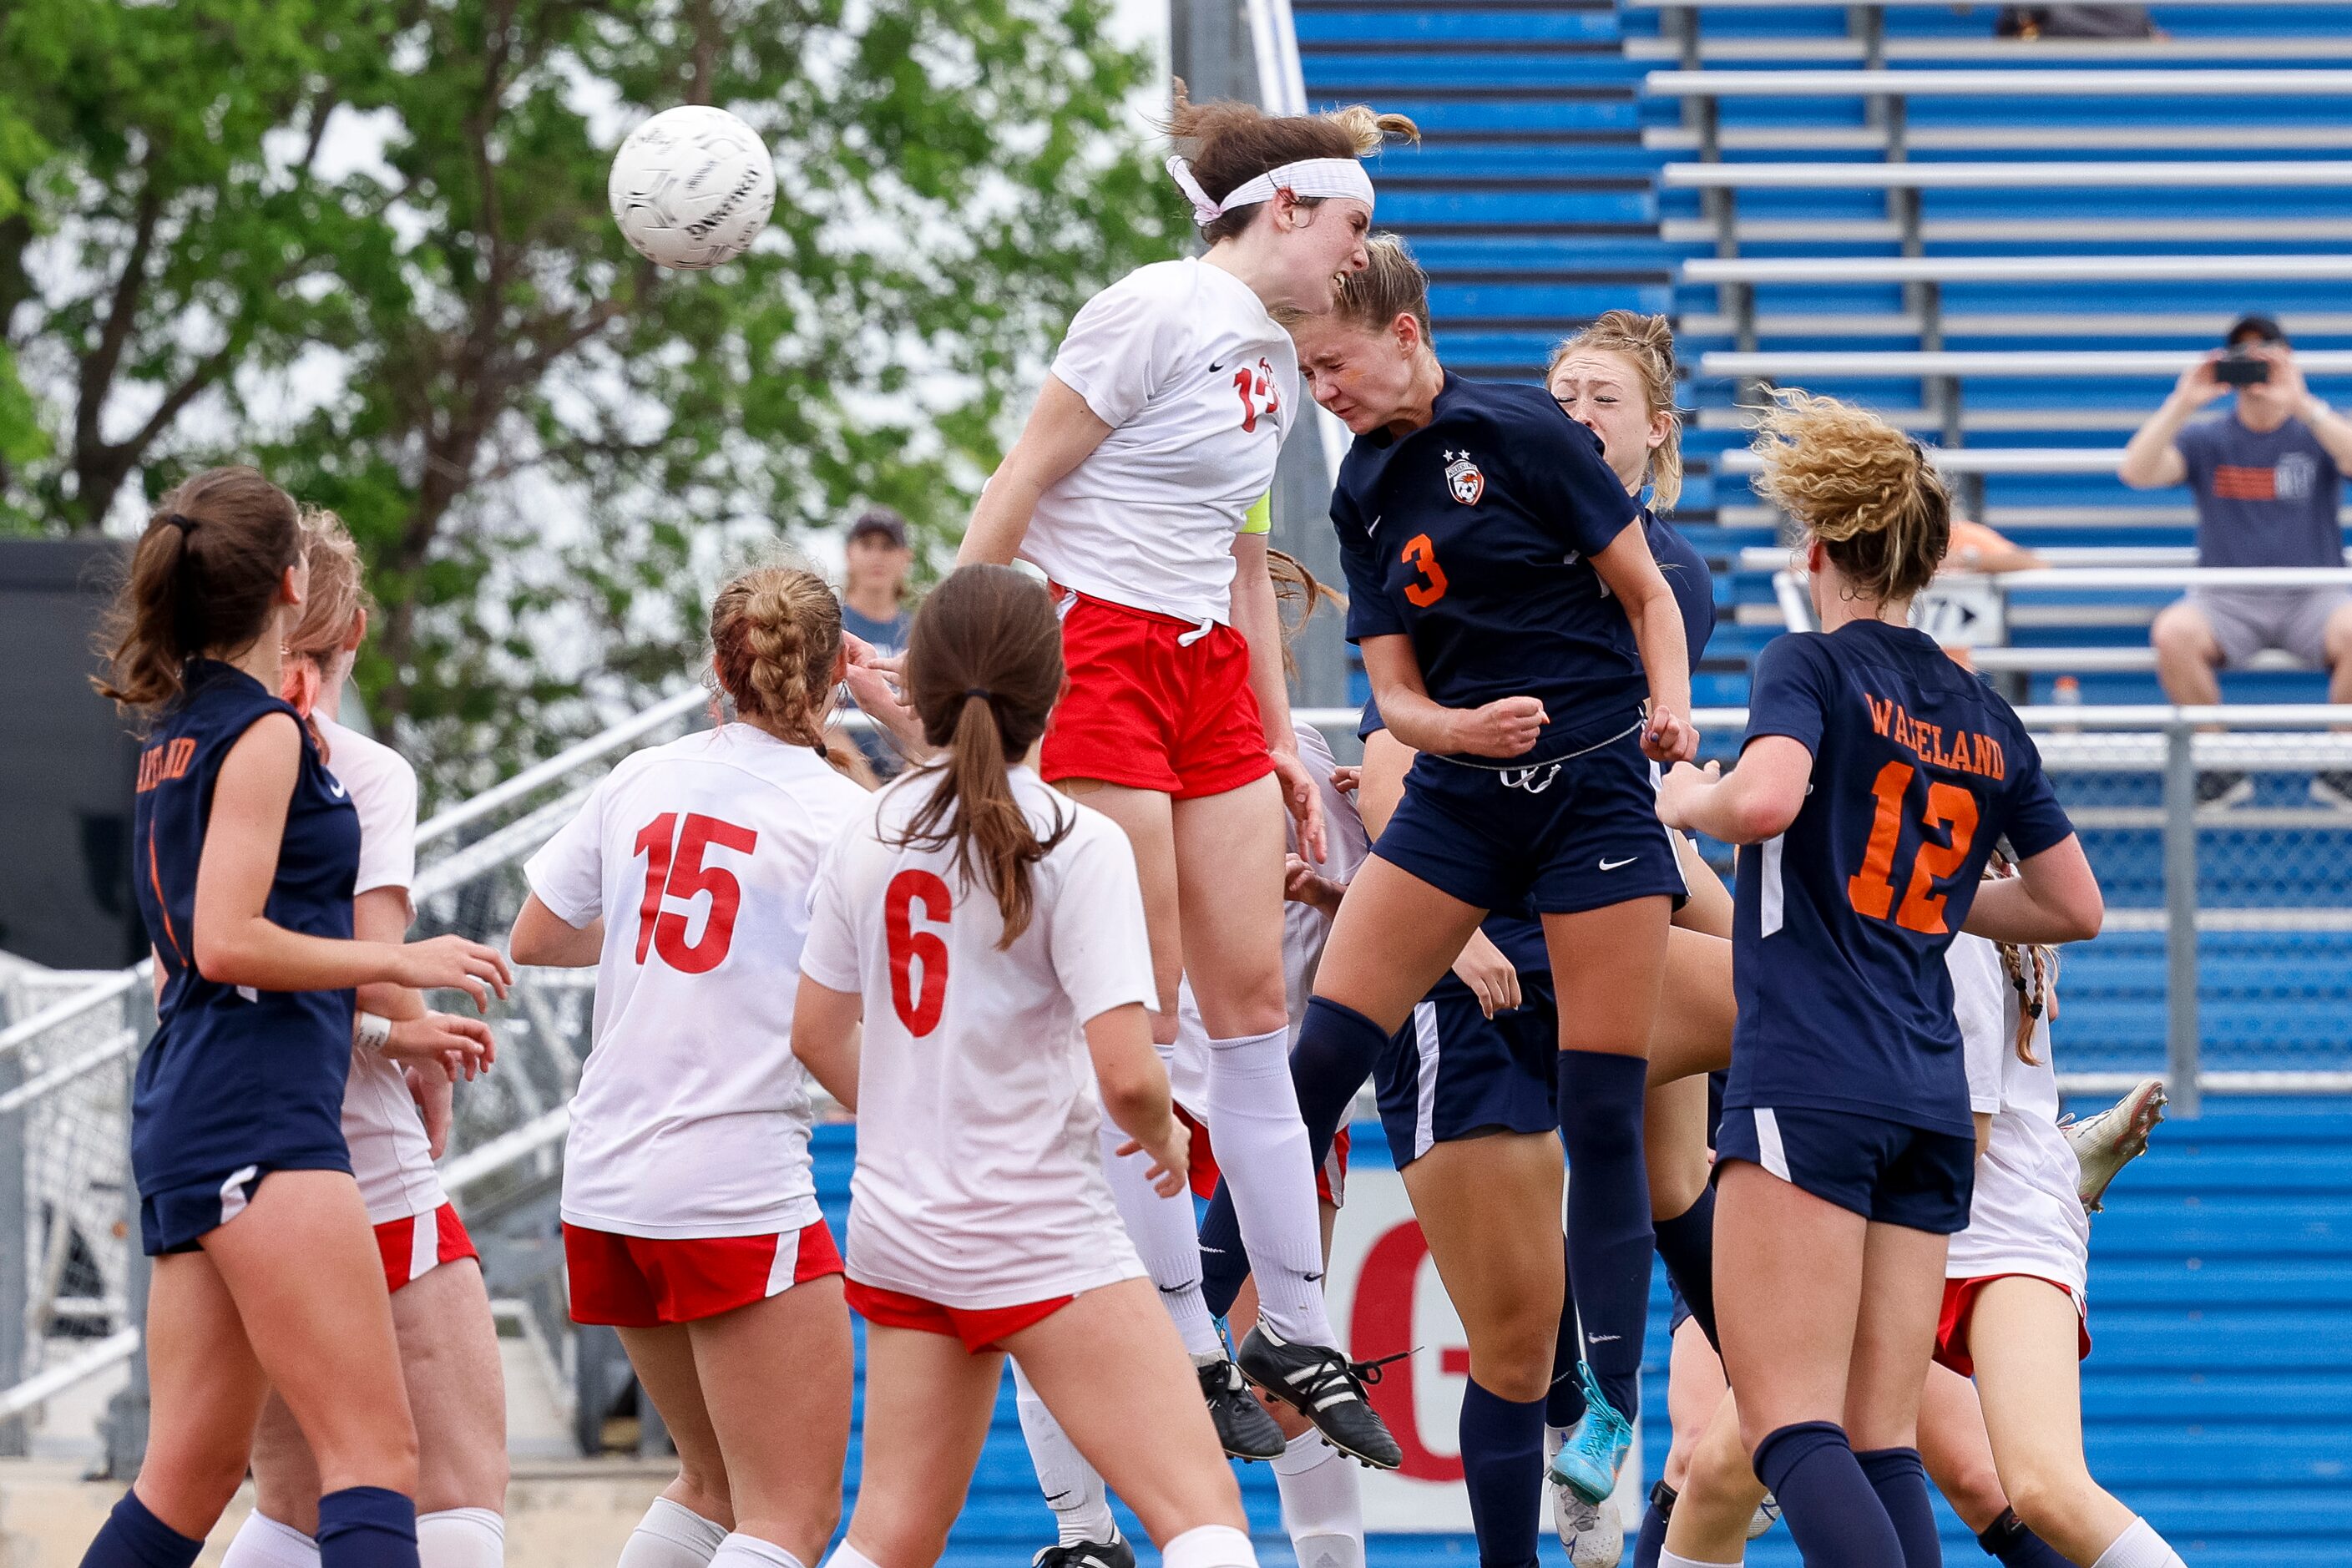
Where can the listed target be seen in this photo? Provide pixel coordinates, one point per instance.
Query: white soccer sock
(848, 1556)
(1073, 1490)
(1262, 1150)
(671, 1535)
(261, 1543)
(1209, 1546)
(1322, 1508)
(2139, 1546)
(461, 1538)
(1668, 1559)
(1168, 1240)
(740, 1551)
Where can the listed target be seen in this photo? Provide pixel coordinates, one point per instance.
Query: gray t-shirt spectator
(2264, 498)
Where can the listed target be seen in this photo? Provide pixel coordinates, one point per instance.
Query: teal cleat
(1587, 1463)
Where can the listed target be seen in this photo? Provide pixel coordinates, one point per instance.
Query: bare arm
(1984, 1132)
(1505, 727)
(1135, 1095)
(2150, 458)
(1259, 620)
(542, 937)
(237, 944)
(1755, 800)
(2053, 898)
(381, 914)
(825, 1038)
(1061, 432)
(1633, 574)
(444, 1045)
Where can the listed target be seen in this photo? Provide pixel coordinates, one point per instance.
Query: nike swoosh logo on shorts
(1609, 865)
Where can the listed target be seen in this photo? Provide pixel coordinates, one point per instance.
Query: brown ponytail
(775, 637)
(335, 601)
(983, 670)
(202, 579)
(1231, 143)
(1294, 585)
(1863, 488)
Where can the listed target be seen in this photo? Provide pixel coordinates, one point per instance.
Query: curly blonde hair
(1647, 343)
(1863, 488)
(1233, 143)
(775, 635)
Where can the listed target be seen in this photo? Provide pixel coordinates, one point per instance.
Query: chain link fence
(2226, 964)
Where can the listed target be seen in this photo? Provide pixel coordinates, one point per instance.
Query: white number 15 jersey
(979, 1183)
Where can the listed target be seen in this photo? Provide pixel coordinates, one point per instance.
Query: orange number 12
(1872, 891)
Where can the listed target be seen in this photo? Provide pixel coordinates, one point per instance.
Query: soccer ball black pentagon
(692, 187)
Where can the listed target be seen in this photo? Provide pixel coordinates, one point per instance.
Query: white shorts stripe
(1767, 1145)
(1770, 904)
(786, 1264)
(1424, 1121)
(231, 1192)
(424, 1244)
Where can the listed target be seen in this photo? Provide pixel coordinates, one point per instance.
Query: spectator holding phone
(877, 560)
(2268, 477)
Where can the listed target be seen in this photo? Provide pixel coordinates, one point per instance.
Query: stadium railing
(71, 1280)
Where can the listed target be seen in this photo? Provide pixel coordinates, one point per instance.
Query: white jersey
(692, 1118)
(979, 1180)
(1305, 929)
(2026, 1217)
(391, 1157)
(1199, 386)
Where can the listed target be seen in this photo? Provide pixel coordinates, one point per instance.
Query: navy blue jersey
(235, 1076)
(1688, 575)
(1474, 536)
(1842, 921)
(1518, 933)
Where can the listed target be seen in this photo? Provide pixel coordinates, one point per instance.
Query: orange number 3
(1421, 556)
(1871, 890)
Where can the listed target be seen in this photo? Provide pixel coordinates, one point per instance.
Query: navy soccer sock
(1831, 1511)
(2007, 1540)
(1652, 1541)
(366, 1527)
(1686, 1246)
(1610, 1241)
(1564, 1405)
(1901, 1483)
(1337, 1048)
(1503, 1469)
(134, 1538)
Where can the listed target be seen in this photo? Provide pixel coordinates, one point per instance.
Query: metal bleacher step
(2237, 140)
(2041, 231)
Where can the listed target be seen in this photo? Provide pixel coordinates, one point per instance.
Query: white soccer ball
(692, 187)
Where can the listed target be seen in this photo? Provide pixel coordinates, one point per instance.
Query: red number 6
(919, 1007)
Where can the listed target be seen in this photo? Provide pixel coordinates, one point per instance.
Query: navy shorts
(1571, 835)
(177, 1219)
(1456, 1072)
(1885, 1171)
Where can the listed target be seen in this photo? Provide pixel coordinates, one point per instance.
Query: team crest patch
(1463, 478)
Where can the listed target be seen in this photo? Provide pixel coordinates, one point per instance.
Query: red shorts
(1154, 703)
(1960, 1305)
(1330, 1177)
(643, 1282)
(417, 1246)
(980, 1328)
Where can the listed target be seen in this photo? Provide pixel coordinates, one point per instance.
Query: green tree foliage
(365, 243)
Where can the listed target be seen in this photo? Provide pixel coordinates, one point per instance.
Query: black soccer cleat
(1087, 1555)
(1244, 1426)
(1326, 1388)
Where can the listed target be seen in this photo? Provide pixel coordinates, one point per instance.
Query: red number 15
(681, 875)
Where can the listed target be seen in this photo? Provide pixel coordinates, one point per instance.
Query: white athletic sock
(2139, 1546)
(1322, 1508)
(1073, 1490)
(461, 1538)
(262, 1543)
(848, 1556)
(1668, 1559)
(1209, 1546)
(1262, 1150)
(1168, 1240)
(671, 1535)
(740, 1551)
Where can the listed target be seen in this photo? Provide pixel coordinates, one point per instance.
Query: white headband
(1308, 177)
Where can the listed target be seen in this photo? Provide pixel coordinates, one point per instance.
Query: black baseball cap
(880, 519)
(2262, 328)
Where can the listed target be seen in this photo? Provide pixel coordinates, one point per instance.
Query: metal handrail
(2192, 83)
(2036, 269)
(669, 708)
(2101, 173)
(1906, 364)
